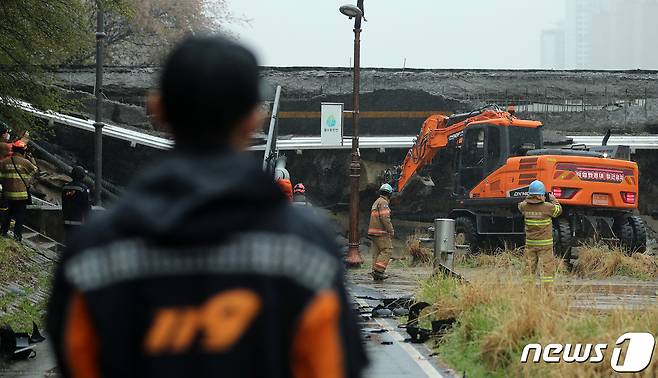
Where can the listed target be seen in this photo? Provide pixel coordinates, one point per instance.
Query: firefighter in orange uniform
(380, 231)
(539, 216)
(16, 172)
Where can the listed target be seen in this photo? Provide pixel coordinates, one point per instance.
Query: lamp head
(351, 11)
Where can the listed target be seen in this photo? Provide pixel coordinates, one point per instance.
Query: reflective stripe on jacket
(12, 184)
(380, 218)
(538, 220)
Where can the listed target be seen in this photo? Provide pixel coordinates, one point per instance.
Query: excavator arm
(432, 137)
(439, 132)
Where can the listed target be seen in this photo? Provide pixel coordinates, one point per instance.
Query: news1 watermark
(638, 352)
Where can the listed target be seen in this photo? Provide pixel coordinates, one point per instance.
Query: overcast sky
(428, 33)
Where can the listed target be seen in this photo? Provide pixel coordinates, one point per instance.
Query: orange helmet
(299, 189)
(19, 145)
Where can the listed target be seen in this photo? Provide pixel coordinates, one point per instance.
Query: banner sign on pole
(331, 133)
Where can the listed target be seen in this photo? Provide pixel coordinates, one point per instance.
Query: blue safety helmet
(537, 188)
(386, 188)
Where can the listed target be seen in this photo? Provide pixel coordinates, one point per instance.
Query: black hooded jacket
(204, 269)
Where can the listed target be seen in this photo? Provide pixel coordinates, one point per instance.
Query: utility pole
(98, 125)
(353, 256)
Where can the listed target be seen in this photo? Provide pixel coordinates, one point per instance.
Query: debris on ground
(19, 345)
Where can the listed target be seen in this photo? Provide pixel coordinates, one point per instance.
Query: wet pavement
(390, 352)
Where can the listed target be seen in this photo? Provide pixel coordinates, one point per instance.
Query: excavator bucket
(418, 186)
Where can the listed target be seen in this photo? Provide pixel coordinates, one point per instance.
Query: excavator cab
(486, 147)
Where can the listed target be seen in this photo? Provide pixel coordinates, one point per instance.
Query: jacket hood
(192, 195)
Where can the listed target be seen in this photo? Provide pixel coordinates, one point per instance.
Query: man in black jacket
(76, 202)
(204, 268)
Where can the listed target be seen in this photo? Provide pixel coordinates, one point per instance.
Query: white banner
(331, 132)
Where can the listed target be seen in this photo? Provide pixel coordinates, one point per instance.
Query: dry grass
(502, 259)
(601, 261)
(419, 254)
(497, 316)
(594, 261)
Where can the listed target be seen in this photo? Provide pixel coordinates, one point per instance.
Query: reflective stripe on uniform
(378, 213)
(15, 195)
(377, 231)
(543, 242)
(538, 222)
(547, 279)
(556, 210)
(10, 175)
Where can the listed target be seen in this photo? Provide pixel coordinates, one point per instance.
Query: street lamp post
(98, 124)
(353, 256)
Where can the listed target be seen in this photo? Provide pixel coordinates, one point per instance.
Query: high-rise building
(552, 49)
(578, 38)
(611, 34)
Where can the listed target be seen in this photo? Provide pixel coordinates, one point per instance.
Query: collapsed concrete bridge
(394, 105)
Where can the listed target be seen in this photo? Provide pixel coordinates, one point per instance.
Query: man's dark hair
(208, 84)
(78, 173)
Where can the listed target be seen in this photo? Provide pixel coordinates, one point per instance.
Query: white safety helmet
(386, 188)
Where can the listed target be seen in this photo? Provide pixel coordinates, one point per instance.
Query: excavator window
(481, 153)
(522, 138)
(473, 148)
(471, 169)
(494, 148)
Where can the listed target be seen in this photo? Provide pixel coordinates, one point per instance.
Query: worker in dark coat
(76, 202)
(203, 269)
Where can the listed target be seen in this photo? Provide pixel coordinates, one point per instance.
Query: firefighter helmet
(299, 189)
(19, 145)
(386, 189)
(537, 188)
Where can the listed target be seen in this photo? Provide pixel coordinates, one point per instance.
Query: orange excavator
(499, 155)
